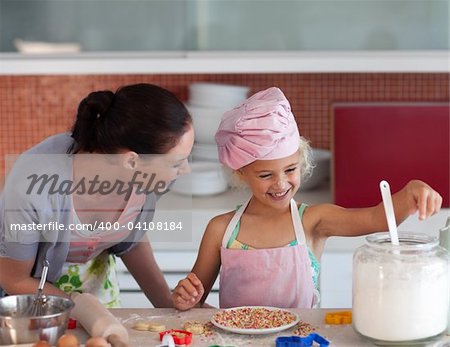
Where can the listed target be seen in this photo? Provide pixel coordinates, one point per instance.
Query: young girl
(268, 250)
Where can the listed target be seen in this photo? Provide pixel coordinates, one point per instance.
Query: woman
(79, 199)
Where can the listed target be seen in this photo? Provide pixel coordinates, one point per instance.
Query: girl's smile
(279, 196)
(273, 182)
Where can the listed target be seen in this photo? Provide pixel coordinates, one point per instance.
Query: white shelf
(224, 62)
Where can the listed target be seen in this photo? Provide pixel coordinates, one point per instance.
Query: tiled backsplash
(34, 107)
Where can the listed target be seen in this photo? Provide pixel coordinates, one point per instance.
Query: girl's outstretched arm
(330, 220)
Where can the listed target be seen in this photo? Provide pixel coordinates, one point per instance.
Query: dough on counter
(68, 340)
(156, 327)
(97, 342)
(141, 326)
(194, 327)
(149, 326)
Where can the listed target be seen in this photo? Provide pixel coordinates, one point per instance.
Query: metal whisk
(37, 307)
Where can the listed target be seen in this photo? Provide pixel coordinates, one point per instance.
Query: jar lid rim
(408, 241)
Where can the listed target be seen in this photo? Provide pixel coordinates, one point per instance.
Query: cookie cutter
(297, 341)
(167, 341)
(338, 317)
(180, 337)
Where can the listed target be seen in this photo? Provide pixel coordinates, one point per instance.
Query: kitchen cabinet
(319, 25)
(336, 279)
(175, 265)
(220, 36)
(221, 25)
(356, 176)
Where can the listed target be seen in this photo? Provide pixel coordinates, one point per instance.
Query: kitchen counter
(339, 335)
(181, 62)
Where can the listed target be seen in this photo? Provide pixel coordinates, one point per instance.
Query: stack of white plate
(207, 103)
(206, 122)
(205, 152)
(205, 178)
(222, 96)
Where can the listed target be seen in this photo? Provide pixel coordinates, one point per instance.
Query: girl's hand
(188, 292)
(421, 197)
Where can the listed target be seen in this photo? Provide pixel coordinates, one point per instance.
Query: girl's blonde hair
(306, 165)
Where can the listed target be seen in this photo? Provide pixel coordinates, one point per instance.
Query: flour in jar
(401, 301)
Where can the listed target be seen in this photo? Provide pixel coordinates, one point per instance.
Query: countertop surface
(338, 335)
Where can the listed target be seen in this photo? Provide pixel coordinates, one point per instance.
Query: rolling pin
(97, 320)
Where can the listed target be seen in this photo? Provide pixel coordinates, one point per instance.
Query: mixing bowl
(16, 328)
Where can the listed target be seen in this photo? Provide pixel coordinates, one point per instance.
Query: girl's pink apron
(278, 277)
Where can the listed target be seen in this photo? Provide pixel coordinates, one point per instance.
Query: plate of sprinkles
(254, 320)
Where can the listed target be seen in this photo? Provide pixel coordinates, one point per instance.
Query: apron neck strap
(298, 228)
(237, 216)
(297, 222)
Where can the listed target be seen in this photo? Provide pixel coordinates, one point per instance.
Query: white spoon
(389, 210)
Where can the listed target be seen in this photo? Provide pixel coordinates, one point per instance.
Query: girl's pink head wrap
(261, 128)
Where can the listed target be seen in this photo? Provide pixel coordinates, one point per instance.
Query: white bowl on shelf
(40, 47)
(223, 96)
(206, 122)
(205, 152)
(321, 172)
(205, 178)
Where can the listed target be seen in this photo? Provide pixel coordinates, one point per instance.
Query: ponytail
(92, 112)
(144, 118)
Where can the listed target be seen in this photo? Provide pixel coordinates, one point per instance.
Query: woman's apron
(90, 268)
(278, 277)
(97, 276)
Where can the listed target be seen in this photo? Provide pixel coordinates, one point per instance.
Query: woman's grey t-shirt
(25, 206)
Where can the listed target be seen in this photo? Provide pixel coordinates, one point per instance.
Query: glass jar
(400, 293)
(444, 241)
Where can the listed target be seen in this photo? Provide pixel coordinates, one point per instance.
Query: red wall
(34, 107)
(395, 142)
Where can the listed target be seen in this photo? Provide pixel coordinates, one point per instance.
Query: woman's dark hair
(143, 118)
